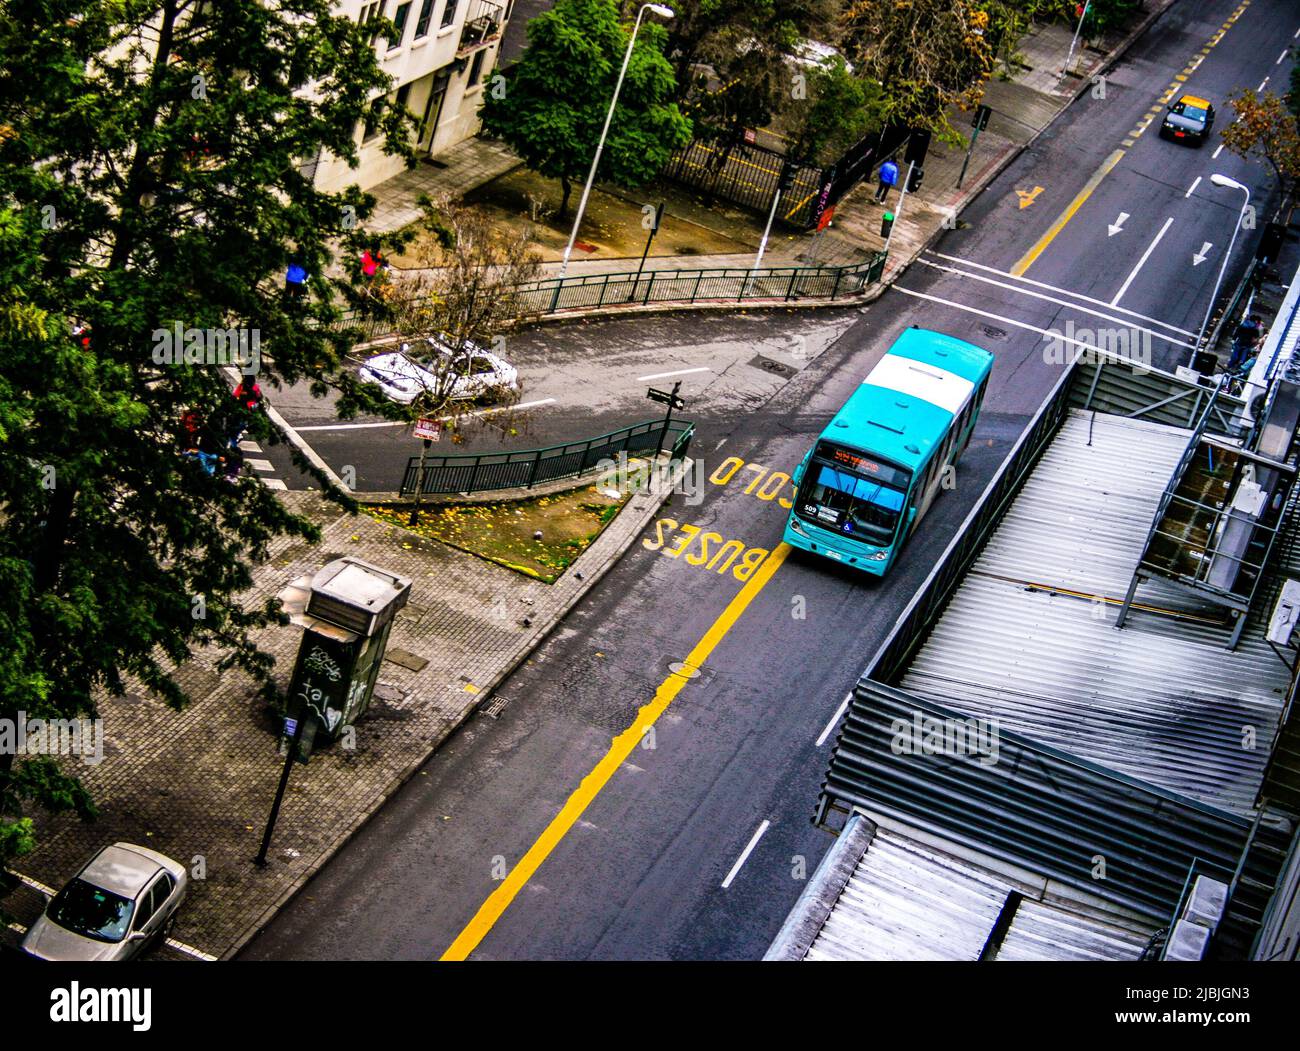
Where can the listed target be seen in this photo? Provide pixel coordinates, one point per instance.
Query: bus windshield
(854, 502)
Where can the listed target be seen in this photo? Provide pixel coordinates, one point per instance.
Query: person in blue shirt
(1245, 340)
(295, 279)
(888, 179)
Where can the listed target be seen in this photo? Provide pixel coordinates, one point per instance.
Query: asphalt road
(743, 747)
(584, 379)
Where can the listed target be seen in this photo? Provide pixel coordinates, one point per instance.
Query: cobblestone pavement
(197, 785)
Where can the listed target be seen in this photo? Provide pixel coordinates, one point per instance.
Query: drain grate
(496, 706)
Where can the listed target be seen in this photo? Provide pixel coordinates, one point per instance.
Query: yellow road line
(621, 747)
(1027, 259)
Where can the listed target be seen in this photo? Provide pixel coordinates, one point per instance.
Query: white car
(471, 374)
(119, 904)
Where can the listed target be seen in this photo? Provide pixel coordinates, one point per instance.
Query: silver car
(465, 375)
(120, 903)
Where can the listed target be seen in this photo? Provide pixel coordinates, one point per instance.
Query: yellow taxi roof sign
(1195, 100)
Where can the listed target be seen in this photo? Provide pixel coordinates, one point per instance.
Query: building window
(426, 16)
(403, 93)
(449, 13)
(372, 13)
(475, 67)
(371, 128)
(399, 21)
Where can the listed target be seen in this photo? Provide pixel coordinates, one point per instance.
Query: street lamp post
(1083, 15)
(1231, 184)
(662, 12)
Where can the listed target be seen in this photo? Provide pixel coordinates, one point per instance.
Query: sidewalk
(1022, 108)
(198, 784)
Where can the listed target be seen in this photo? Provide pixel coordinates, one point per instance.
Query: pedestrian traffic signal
(787, 177)
(917, 145)
(981, 119)
(886, 224)
(914, 179)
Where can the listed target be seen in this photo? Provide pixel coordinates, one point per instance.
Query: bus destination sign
(858, 463)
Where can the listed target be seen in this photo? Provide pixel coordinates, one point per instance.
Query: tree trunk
(567, 187)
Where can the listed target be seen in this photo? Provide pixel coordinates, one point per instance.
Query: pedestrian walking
(295, 280)
(888, 180)
(1245, 340)
(234, 462)
(248, 394)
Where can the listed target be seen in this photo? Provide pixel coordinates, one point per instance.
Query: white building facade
(441, 60)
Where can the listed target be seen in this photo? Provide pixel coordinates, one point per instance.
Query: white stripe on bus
(917, 379)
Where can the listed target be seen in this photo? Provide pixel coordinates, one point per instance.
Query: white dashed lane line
(744, 854)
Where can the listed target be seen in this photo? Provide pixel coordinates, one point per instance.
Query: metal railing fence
(525, 468)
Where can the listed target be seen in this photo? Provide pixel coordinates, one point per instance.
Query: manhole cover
(406, 659)
(686, 671)
(993, 332)
(770, 365)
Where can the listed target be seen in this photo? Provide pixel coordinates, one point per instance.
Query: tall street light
(1231, 184)
(1083, 16)
(662, 12)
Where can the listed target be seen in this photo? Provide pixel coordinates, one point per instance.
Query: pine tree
(151, 175)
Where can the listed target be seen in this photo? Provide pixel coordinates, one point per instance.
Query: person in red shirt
(249, 394)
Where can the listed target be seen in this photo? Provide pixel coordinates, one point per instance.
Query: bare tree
(451, 323)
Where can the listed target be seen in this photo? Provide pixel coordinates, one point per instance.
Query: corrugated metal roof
(1162, 700)
(1047, 931)
(912, 900)
(906, 902)
(1034, 806)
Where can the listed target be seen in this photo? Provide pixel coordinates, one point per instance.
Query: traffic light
(917, 145)
(980, 120)
(786, 183)
(886, 224)
(914, 179)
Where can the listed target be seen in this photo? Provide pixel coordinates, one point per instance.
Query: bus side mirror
(798, 476)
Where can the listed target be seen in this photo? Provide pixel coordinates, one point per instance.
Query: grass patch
(504, 532)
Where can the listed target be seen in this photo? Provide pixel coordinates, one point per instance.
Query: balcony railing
(483, 23)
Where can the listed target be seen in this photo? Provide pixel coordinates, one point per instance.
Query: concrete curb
(643, 506)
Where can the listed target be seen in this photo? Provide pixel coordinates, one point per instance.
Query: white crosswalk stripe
(260, 465)
(273, 483)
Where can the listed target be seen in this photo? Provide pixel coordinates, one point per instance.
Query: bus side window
(927, 476)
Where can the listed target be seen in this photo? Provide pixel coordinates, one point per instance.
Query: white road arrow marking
(1200, 256)
(1117, 225)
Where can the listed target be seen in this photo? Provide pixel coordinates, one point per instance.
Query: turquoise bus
(863, 488)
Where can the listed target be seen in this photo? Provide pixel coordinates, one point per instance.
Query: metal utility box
(348, 613)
